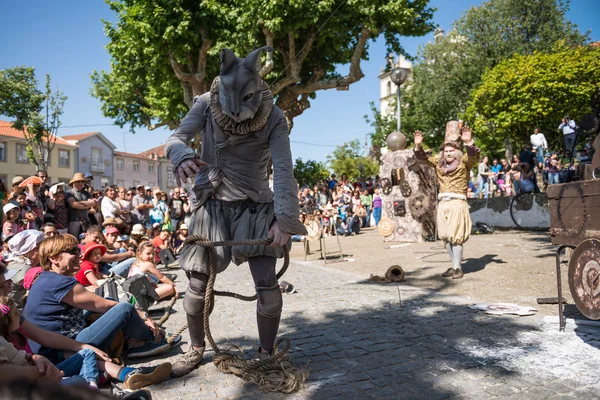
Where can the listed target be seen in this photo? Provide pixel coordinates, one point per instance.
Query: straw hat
(386, 226)
(17, 180)
(78, 177)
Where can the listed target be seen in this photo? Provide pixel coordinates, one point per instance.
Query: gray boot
(187, 362)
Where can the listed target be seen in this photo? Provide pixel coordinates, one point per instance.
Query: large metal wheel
(584, 278)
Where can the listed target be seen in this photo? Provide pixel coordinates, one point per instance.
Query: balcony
(97, 167)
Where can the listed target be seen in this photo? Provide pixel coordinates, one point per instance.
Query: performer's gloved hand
(188, 169)
(280, 238)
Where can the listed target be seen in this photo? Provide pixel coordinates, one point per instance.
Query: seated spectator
(12, 225)
(117, 259)
(340, 227)
(353, 223)
(57, 303)
(526, 184)
(179, 239)
(161, 242)
(49, 229)
(23, 255)
(144, 265)
(88, 273)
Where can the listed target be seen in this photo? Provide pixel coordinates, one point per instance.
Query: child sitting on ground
(82, 364)
(144, 265)
(88, 273)
(11, 227)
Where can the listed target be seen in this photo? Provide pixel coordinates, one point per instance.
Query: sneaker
(137, 395)
(458, 273)
(187, 362)
(449, 272)
(150, 348)
(144, 376)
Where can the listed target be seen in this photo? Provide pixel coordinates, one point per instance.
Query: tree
(164, 52)
(536, 90)
(447, 70)
(36, 113)
(348, 159)
(310, 171)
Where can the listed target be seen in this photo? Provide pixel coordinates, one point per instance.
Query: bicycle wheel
(522, 212)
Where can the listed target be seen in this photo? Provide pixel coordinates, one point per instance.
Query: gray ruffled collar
(245, 127)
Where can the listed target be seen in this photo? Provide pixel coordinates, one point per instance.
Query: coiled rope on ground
(274, 374)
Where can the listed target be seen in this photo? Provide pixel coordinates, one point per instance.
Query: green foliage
(447, 70)
(348, 159)
(534, 90)
(310, 171)
(164, 52)
(36, 113)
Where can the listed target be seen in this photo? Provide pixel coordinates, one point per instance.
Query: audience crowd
(59, 245)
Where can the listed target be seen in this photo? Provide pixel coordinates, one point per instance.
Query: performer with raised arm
(452, 169)
(241, 131)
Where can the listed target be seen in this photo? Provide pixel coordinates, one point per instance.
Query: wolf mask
(241, 84)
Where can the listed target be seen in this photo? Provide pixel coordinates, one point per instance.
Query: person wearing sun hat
(78, 202)
(88, 273)
(11, 226)
(23, 255)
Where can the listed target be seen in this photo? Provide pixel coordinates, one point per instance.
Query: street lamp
(399, 76)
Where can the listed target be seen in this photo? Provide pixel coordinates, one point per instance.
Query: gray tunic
(240, 159)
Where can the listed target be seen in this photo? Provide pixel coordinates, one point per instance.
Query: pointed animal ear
(227, 60)
(252, 62)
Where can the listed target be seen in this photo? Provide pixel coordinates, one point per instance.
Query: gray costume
(231, 199)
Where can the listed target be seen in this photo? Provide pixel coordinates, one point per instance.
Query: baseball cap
(9, 206)
(88, 176)
(147, 188)
(123, 238)
(111, 230)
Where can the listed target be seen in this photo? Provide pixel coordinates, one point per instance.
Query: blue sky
(65, 38)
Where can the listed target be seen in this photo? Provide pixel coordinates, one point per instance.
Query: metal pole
(398, 101)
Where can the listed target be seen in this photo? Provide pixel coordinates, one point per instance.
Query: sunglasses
(74, 251)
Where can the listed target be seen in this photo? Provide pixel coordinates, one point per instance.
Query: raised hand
(466, 134)
(188, 169)
(418, 138)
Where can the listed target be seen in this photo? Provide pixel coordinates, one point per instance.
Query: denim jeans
(570, 141)
(353, 225)
(481, 186)
(83, 364)
(377, 215)
(120, 268)
(552, 178)
(122, 317)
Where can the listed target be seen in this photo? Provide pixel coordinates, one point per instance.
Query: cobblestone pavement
(366, 340)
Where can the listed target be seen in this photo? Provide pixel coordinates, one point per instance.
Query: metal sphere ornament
(396, 141)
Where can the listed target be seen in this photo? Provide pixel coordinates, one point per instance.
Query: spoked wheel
(521, 212)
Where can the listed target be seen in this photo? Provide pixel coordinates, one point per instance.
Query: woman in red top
(88, 274)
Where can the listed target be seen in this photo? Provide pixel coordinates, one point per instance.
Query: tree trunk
(508, 150)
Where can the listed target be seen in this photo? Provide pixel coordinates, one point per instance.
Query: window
(136, 166)
(64, 158)
(103, 182)
(22, 153)
(389, 88)
(120, 183)
(150, 168)
(3, 151)
(170, 177)
(97, 165)
(120, 164)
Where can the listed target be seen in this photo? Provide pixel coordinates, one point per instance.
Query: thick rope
(274, 374)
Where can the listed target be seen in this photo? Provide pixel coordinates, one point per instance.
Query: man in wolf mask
(452, 169)
(241, 131)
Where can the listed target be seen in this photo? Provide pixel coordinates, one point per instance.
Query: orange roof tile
(140, 156)
(159, 151)
(6, 129)
(79, 136)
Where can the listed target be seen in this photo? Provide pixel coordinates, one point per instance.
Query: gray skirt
(228, 220)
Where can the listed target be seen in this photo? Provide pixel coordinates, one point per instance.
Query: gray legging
(268, 307)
